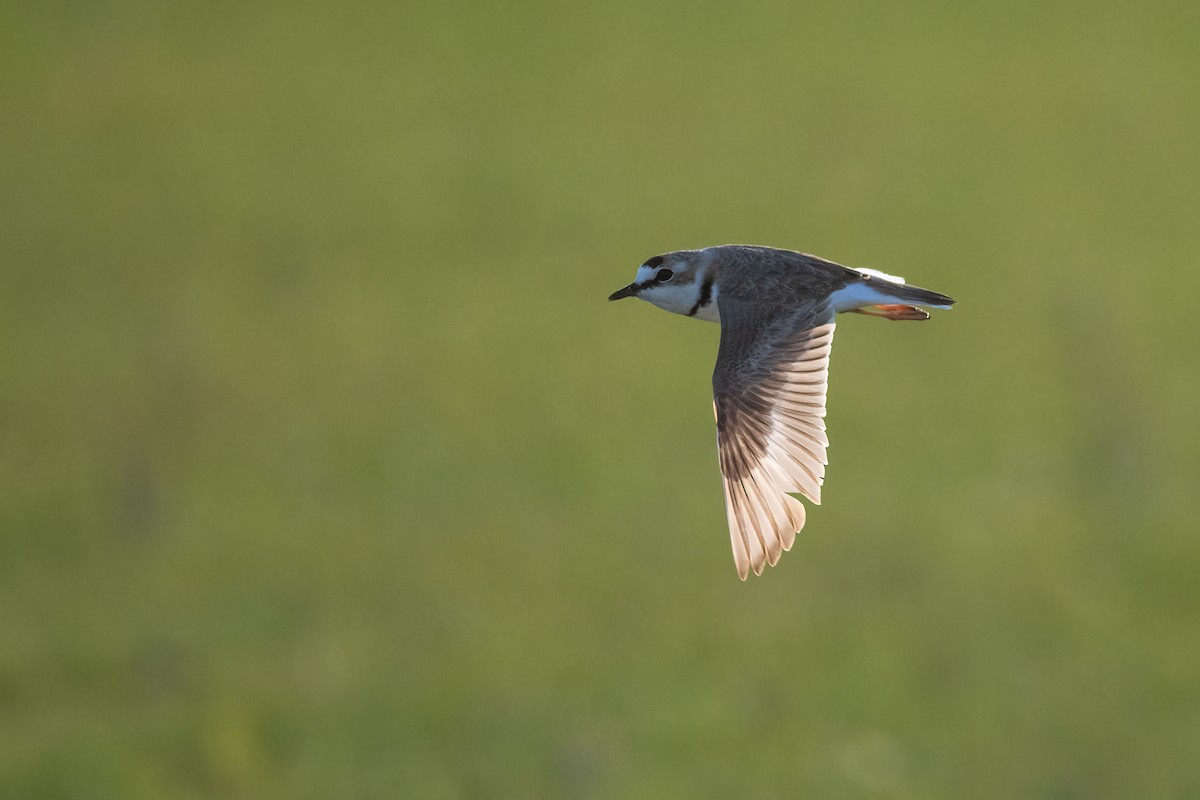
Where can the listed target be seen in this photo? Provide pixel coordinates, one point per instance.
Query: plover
(776, 310)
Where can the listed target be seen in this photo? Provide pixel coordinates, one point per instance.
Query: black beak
(628, 291)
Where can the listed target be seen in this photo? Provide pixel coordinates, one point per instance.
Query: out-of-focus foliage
(326, 471)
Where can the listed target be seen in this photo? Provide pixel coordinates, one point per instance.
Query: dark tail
(905, 293)
(907, 297)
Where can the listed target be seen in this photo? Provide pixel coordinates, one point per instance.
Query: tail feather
(870, 292)
(915, 295)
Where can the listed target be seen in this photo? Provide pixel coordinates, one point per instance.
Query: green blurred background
(327, 471)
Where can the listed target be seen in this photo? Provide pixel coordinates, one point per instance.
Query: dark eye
(664, 275)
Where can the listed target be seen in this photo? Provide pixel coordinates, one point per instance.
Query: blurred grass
(326, 470)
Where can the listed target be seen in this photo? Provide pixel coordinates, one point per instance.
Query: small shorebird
(776, 311)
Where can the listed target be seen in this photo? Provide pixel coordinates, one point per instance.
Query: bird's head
(679, 282)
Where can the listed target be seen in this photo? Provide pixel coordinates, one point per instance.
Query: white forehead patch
(645, 273)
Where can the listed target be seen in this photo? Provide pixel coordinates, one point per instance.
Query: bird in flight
(776, 310)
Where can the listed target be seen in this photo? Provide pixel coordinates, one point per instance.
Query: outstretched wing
(769, 390)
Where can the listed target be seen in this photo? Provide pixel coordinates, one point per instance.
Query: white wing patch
(763, 518)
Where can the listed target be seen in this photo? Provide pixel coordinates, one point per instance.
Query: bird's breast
(708, 313)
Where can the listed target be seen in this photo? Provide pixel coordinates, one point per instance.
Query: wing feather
(770, 387)
(737, 533)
